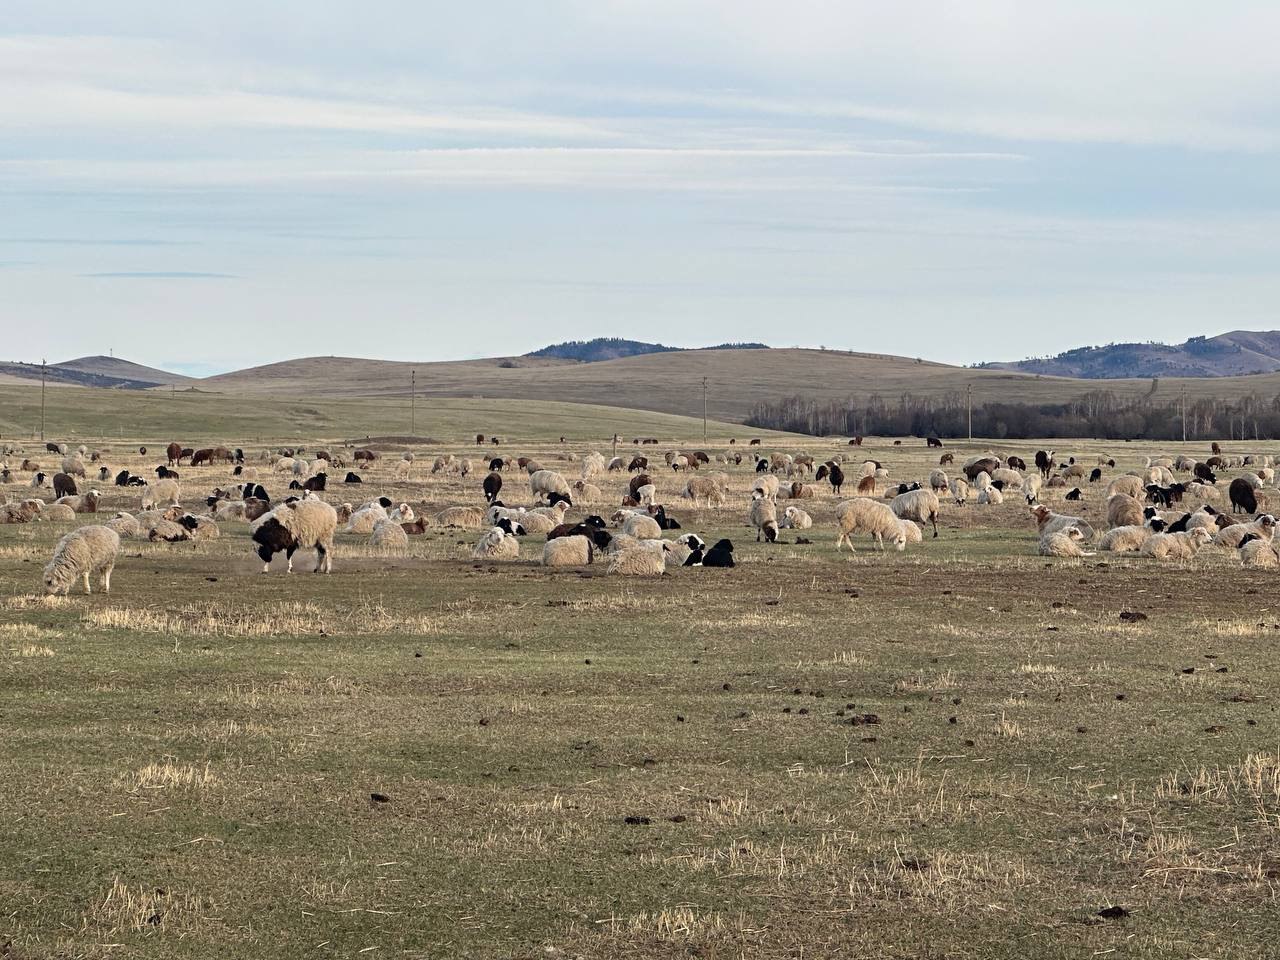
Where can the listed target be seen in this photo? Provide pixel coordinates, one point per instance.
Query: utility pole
(968, 403)
(1184, 416)
(413, 402)
(704, 409)
(42, 363)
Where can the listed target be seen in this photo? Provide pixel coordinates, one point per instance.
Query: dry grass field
(958, 751)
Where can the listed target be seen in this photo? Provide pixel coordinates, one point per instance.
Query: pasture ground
(958, 751)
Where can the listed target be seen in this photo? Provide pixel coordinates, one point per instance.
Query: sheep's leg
(879, 541)
(266, 567)
(934, 517)
(289, 556)
(86, 582)
(106, 578)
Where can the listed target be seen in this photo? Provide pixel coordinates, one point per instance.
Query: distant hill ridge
(105, 372)
(615, 348)
(1237, 353)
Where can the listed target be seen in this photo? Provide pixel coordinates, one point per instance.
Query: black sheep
(1202, 472)
(762, 466)
(496, 463)
(836, 477)
(721, 555)
(64, 485)
(1243, 499)
(492, 484)
(1074, 494)
(352, 478)
(554, 498)
(317, 482)
(1095, 475)
(122, 478)
(272, 538)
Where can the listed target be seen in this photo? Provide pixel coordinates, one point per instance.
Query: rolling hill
(1237, 353)
(106, 372)
(613, 348)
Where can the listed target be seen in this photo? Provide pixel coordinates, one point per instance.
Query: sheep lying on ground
(1260, 553)
(84, 503)
(366, 518)
(1126, 539)
(639, 562)
(57, 513)
(1049, 522)
(389, 534)
(641, 527)
(1175, 546)
(1063, 542)
(864, 515)
(125, 524)
(88, 550)
(497, 544)
(990, 495)
(575, 551)
(1263, 527)
(297, 524)
(464, 518)
(26, 511)
(795, 519)
(1123, 511)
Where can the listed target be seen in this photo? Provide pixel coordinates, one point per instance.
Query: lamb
(640, 562)
(575, 551)
(794, 518)
(366, 518)
(497, 544)
(720, 555)
(911, 531)
(959, 490)
(863, 515)
(1263, 527)
(704, 488)
(1123, 511)
(543, 483)
(88, 503)
(1259, 553)
(401, 469)
(162, 493)
(764, 517)
(938, 480)
(464, 518)
(767, 485)
(298, 524)
(919, 505)
(126, 525)
(27, 511)
(389, 535)
(1175, 546)
(584, 492)
(88, 550)
(1063, 542)
(1049, 522)
(990, 496)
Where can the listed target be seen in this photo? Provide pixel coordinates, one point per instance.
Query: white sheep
(497, 544)
(938, 480)
(1125, 539)
(1127, 484)
(389, 535)
(126, 525)
(959, 488)
(366, 518)
(73, 466)
(793, 518)
(1031, 487)
(57, 513)
(704, 488)
(919, 505)
(1123, 511)
(575, 551)
(464, 518)
(88, 550)
(309, 524)
(990, 495)
(764, 517)
(642, 527)
(1175, 546)
(161, 493)
(639, 563)
(1260, 553)
(864, 515)
(1064, 542)
(767, 484)
(1011, 479)
(543, 483)
(1263, 527)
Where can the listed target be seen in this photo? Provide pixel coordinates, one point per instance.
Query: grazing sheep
(793, 518)
(1011, 479)
(81, 553)
(1064, 542)
(911, 531)
(990, 496)
(1241, 492)
(126, 525)
(767, 485)
(706, 488)
(162, 493)
(1263, 527)
(492, 485)
(1049, 522)
(1128, 484)
(543, 483)
(64, 485)
(575, 551)
(640, 562)
(938, 480)
(960, 491)
(73, 466)
(389, 535)
(464, 518)
(1202, 491)
(1123, 511)
(1175, 546)
(863, 515)
(1031, 487)
(297, 524)
(919, 505)
(764, 517)
(497, 544)
(401, 469)
(987, 464)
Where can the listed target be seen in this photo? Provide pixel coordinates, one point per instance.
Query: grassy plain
(958, 751)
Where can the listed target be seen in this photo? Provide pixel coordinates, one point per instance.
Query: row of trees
(1099, 414)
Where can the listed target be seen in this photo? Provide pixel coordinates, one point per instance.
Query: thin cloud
(160, 275)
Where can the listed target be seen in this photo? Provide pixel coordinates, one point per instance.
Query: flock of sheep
(1144, 509)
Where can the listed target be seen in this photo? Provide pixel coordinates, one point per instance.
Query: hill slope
(614, 348)
(672, 382)
(124, 370)
(1231, 354)
(108, 372)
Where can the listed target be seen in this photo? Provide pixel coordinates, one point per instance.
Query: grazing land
(960, 750)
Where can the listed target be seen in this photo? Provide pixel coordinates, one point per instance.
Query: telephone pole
(968, 403)
(1184, 416)
(42, 363)
(704, 409)
(413, 402)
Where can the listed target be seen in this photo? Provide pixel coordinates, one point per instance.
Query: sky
(208, 187)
